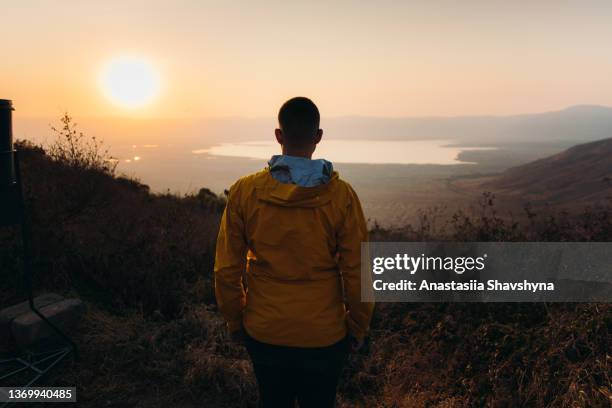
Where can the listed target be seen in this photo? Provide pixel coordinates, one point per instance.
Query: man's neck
(297, 153)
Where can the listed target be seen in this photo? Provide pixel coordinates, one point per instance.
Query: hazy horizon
(577, 122)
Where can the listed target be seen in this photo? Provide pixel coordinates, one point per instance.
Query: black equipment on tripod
(13, 213)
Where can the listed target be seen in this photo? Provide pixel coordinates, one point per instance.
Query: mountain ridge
(574, 124)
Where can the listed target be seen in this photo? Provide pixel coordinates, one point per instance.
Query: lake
(355, 151)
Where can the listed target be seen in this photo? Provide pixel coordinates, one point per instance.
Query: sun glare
(130, 82)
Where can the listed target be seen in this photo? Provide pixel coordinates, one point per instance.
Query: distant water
(355, 151)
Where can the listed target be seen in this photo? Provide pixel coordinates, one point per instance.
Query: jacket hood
(302, 171)
(291, 195)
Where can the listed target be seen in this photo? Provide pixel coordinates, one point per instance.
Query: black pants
(287, 374)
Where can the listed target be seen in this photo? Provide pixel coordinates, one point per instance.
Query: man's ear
(279, 136)
(318, 136)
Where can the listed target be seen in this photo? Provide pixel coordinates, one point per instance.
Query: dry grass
(494, 355)
(129, 360)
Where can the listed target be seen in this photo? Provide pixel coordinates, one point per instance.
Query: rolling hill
(578, 176)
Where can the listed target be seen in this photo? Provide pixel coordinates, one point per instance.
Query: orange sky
(378, 58)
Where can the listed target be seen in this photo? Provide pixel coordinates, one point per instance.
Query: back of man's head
(299, 120)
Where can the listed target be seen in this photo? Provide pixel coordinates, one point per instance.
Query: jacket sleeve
(230, 262)
(352, 232)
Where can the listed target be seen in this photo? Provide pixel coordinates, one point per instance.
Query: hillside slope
(578, 176)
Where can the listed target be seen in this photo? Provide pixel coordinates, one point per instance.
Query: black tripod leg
(27, 259)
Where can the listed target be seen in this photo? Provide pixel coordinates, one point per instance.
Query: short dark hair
(299, 120)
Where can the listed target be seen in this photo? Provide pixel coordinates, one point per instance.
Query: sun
(130, 82)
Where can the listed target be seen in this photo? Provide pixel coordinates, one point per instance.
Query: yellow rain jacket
(299, 249)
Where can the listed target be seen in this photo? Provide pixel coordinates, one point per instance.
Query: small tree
(75, 149)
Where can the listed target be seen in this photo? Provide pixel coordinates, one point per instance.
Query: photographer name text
(454, 265)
